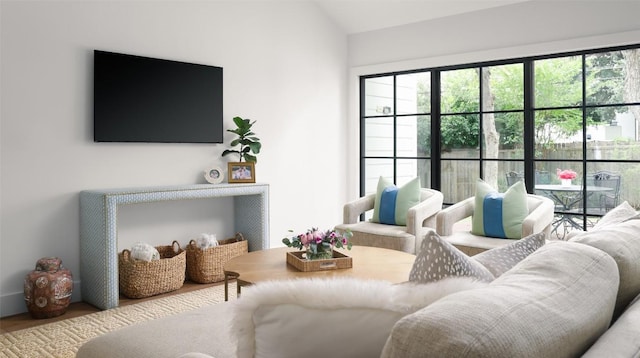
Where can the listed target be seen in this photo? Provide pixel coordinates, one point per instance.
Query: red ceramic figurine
(48, 288)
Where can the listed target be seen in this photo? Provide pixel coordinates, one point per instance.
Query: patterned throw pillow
(620, 213)
(439, 259)
(392, 203)
(617, 215)
(499, 215)
(502, 259)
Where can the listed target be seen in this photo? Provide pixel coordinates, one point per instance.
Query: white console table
(99, 227)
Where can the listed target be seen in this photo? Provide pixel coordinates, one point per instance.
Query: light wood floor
(76, 309)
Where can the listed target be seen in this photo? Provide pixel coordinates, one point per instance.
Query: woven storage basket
(138, 279)
(207, 266)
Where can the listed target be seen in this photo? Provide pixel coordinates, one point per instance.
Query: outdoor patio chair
(606, 201)
(407, 238)
(513, 177)
(542, 177)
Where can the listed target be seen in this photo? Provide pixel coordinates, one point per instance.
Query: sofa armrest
(539, 219)
(447, 217)
(271, 315)
(348, 317)
(352, 210)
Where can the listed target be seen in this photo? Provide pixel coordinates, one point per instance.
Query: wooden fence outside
(459, 176)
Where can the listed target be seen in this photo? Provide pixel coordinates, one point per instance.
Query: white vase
(566, 182)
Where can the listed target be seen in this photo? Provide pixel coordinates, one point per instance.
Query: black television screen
(141, 99)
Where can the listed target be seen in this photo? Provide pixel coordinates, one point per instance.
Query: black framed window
(517, 119)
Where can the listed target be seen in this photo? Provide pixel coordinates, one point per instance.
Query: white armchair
(402, 238)
(539, 220)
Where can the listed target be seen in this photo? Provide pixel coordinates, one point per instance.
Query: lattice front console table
(99, 228)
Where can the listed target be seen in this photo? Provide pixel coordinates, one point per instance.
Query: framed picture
(214, 175)
(242, 172)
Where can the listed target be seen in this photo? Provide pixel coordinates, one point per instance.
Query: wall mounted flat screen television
(142, 99)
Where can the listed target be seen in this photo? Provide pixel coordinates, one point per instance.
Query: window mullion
(362, 138)
(395, 129)
(529, 126)
(481, 123)
(436, 155)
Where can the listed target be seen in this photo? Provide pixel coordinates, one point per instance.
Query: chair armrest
(539, 219)
(352, 210)
(419, 213)
(447, 217)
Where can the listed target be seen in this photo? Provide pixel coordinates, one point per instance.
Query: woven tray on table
(207, 266)
(138, 279)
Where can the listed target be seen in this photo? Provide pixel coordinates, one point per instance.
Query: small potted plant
(244, 170)
(319, 244)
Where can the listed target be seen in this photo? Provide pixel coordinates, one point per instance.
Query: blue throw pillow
(392, 203)
(499, 215)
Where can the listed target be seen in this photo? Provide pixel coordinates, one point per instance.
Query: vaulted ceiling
(355, 16)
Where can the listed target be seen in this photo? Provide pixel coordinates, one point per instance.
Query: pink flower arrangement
(319, 244)
(566, 174)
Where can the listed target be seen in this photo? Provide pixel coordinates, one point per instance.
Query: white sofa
(560, 301)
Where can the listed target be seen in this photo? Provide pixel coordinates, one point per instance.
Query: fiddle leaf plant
(249, 144)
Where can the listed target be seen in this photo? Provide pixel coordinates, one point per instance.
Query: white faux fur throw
(323, 295)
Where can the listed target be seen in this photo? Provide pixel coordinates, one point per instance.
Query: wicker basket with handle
(138, 279)
(207, 266)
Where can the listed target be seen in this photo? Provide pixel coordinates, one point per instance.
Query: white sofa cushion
(554, 303)
(341, 317)
(623, 338)
(622, 242)
(195, 355)
(204, 330)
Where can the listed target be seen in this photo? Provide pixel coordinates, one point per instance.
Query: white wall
(284, 66)
(511, 31)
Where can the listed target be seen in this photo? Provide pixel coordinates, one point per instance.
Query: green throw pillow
(392, 203)
(499, 215)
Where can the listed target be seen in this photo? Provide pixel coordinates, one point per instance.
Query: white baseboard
(13, 303)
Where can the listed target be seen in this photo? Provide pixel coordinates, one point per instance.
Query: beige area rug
(63, 338)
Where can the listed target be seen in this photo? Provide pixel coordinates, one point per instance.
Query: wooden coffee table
(370, 263)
